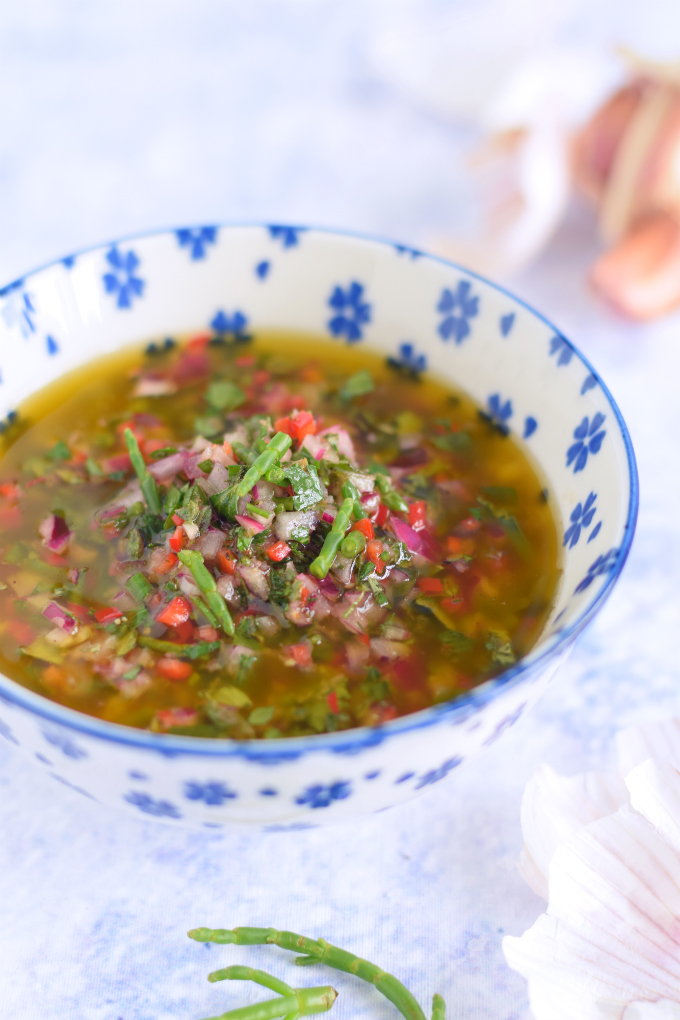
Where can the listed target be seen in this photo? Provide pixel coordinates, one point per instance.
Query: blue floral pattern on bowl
(526, 377)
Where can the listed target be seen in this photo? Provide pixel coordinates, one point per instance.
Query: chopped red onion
(54, 612)
(55, 533)
(217, 480)
(255, 492)
(168, 466)
(285, 523)
(389, 649)
(255, 582)
(250, 524)
(328, 518)
(407, 535)
(210, 543)
(191, 468)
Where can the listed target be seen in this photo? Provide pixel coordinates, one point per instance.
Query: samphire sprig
(315, 951)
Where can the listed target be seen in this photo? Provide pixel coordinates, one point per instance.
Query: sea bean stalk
(324, 561)
(291, 1002)
(193, 559)
(147, 481)
(263, 463)
(315, 951)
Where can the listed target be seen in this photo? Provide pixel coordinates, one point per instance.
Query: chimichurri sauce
(264, 540)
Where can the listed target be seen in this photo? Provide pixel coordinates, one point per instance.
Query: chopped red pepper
(107, 615)
(22, 632)
(167, 564)
(245, 361)
(225, 562)
(121, 462)
(185, 631)
(79, 611)
(9, 490)
(198, 342)
(301, 654)
(364, 638)
(207, 633)
(468, 526)
(285, 425)
(373, 551)
(174, 669)
(454, 604)
(303, 425)
(365, 527)
(278, 551)
(177, 611)
(432, 585)
(416, 515)
(177, 540)
(176, 519)
(168, 717)
(261, 376)
(382, 516)
(333, 702)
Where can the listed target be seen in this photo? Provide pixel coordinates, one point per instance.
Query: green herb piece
(365, 570)
(126, 643)
(455, 442)
(324, 561)
(499, 647)
(224, 395)
(378, 592)
(456, 642)
(271, 456)
(93, 468)
(206, 466)
(261, 716)
(306, 485)
(59, 452)
(43, 649)
(206, 582)
(244, 540)
(374, 686)
(116, 476)
(225, 503)
(167, 451)
(232, 696)
(500, 493)
(358, 385)
(147, 481)
(208, 427)
(135, 545)
(131, 673)
(354, 544)
(200, 604)
(196, 651)
(281, 588)
(315, 951)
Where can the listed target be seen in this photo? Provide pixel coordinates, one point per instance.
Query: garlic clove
(640, 275)
(654, 788)
(611, 935)
(554, 807)
(663, 1009)
(650, 740)
(596, 145)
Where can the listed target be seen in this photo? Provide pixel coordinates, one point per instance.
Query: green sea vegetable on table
(300, 1002)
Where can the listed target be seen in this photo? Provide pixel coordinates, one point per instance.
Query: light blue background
(125, 117)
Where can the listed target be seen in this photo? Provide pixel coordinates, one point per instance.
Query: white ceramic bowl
(417, 309)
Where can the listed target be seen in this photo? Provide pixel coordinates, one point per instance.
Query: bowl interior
(422, 311)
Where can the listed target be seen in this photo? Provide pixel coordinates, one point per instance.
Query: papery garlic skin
(611, 935)
(608, 946)
(555, 807)
(664, 1009)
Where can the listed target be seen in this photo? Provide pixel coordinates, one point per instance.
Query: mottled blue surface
(117, 122)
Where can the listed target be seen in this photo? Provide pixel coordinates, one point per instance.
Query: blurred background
(117, 118)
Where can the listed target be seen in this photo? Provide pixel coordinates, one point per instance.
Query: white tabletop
(121, 118)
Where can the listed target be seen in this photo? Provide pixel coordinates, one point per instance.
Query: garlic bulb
(607, 854)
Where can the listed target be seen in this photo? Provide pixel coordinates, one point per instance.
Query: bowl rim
(351, 741)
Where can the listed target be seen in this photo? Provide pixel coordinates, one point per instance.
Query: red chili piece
(416, 515)
(333, 703)
(278, 551)
(107, 615)
(176, 612)
(174, 669)
(365, 527)
(177, 540)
